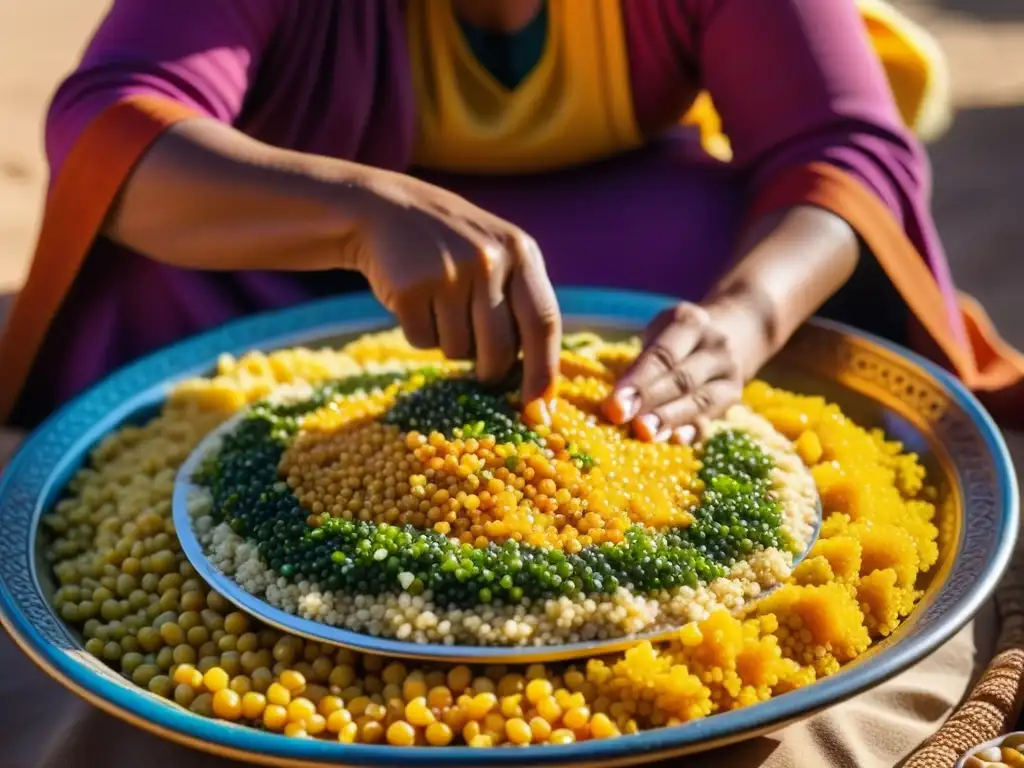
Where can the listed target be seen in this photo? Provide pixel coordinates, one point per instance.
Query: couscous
(124, 583)
(412, 503)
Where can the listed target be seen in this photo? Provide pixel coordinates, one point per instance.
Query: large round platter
(184, 488)
(875, 383)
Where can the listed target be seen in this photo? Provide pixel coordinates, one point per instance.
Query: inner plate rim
(145, 383)
(257, 606)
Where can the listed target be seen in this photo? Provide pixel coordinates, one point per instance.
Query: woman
(456, 154)
(459, 156)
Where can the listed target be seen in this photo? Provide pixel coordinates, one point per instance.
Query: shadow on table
(986, 10)
(749, 754)
(9, 439)
(6, 300)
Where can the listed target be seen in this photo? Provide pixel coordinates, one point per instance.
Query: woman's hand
(459, 278)
(205, 196)
(693, 367)
(698, 358)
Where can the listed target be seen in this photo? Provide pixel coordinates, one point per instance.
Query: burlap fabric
(994, 704)
(970, 687)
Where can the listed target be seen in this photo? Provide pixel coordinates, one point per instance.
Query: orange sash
(983, 361)
(108, 149)
(80, 197)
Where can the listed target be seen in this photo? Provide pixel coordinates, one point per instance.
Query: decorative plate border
(50, 456)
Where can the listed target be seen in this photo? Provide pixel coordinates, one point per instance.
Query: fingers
(686, 375)
(661, 321)
(537, 318)
(474, 315)
(677, 340)
(406, 288)
(415, 315)
(497, 344)
(472, 284)
(680, 332)
(706, 364)
(451, 303)
(454, 332)
(699, 388)
(708, 401)
(685, 434)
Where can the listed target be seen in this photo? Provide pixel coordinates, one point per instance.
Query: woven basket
(993, 706)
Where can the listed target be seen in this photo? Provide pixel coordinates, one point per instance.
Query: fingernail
(623, 405)
(685, 434)
(536, 413)
(648, 427)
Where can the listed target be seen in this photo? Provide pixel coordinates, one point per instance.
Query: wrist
(343, 203)
(367, 201)
(746, 319)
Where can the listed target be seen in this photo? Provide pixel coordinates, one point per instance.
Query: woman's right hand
(205, 196)
(458, 278)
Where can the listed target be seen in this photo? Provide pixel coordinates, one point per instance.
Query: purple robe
(795, 82)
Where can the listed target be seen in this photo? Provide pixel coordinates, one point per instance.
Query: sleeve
(811, 118)
(150, 64)
(191, 56)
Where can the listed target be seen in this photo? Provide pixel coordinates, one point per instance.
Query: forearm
(205, 196)
(831, 138)
(789, 264)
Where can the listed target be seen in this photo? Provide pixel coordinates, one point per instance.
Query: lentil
(439, 734)
(857, 587)
(478, 508)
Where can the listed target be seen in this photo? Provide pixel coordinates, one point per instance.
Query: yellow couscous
(418, 504)
(140, 606)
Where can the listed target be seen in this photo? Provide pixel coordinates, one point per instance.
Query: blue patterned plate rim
(35, 477)
(316, 630)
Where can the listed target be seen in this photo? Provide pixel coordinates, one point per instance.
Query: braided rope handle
(994, 704)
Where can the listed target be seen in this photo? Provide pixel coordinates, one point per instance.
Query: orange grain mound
(345, 463)
(126, 586)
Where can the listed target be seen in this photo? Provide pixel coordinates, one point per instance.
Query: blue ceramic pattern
(48, 459)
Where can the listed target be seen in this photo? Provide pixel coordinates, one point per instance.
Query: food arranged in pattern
(377, 487)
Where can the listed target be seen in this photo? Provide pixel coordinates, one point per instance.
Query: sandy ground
(979, 165)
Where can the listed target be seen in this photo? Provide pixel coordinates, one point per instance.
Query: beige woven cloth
(994, 704)
(44, 726)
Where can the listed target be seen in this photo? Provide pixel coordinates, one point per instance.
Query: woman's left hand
(693, 367)
(697, 358)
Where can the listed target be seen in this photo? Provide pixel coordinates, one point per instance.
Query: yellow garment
(575, 106)
(916, 66)
(913, 61)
